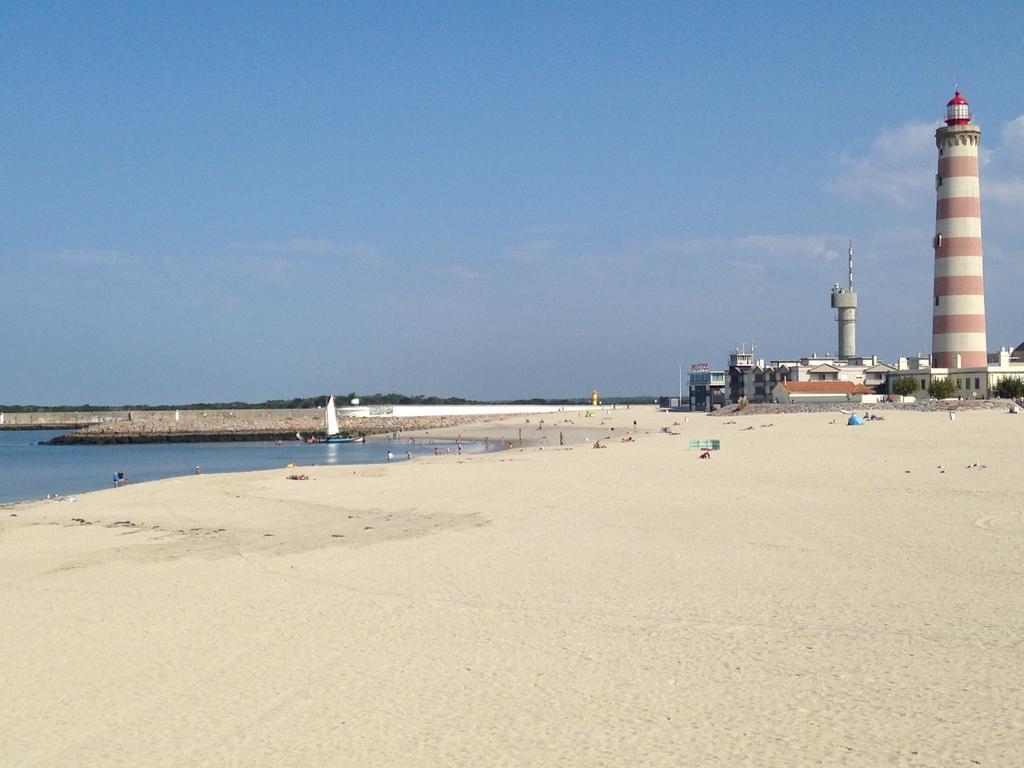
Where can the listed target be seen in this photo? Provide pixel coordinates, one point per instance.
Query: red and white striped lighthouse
(958, 315)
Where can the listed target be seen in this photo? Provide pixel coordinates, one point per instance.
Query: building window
(923, 385)
(938, 181)
(977, 383)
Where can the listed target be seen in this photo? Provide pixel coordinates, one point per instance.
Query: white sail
(332, 418)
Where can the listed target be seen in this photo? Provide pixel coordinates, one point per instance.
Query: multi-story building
(970, 383)
(707, 387)
(756, 380)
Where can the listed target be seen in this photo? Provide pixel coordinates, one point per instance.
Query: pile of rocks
(223, 426)
(762, 409)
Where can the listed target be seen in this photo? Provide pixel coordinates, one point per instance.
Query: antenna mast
(851, 265)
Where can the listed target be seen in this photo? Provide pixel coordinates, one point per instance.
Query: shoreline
(812, 594)
(239, 426)
(375, 446)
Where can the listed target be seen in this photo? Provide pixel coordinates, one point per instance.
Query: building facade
(756, 380)
(706, 388)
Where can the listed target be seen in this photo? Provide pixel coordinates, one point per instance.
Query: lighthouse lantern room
(958, 111)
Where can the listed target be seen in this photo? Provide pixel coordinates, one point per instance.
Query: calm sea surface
(31, 471)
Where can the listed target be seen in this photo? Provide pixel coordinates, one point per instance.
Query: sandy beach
(815, 594)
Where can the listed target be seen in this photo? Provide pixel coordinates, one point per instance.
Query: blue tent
(854, 420)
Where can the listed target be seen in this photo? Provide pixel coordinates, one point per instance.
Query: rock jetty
(241, 425)
(766, 409)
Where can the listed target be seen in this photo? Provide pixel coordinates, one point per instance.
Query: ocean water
(31, 471)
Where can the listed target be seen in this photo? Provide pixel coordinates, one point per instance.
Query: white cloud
(268, 268)
(1009, 192)
(531, 251)
(756, 248)
(302, 246)
(545, 229)
(464, 273)
(1002, 182)
(279, 261)
(95, 257)
(299, 245)
(1012, 134)
(899, 168)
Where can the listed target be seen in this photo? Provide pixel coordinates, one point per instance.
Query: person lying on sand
(599, 444)
(298, 477)
(626, 439)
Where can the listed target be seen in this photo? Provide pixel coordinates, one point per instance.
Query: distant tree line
(379, 398)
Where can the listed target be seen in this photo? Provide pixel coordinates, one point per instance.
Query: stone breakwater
(765, 409)
(227, 426)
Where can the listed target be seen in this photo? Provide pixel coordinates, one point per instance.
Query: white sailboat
(333, 435)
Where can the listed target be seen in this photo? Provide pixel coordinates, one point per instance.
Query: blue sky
(221, 201)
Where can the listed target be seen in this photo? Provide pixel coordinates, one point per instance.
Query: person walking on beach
(391, 456)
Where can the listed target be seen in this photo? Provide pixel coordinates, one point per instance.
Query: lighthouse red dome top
(958, 111)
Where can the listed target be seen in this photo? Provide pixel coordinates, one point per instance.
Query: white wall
(408, 411)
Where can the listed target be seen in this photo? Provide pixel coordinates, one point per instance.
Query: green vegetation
(379, 398)
(904, 385)
(1010, 388)
(940, 389)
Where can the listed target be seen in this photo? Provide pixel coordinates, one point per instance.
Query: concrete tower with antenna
(844, 301)
(958, 315)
